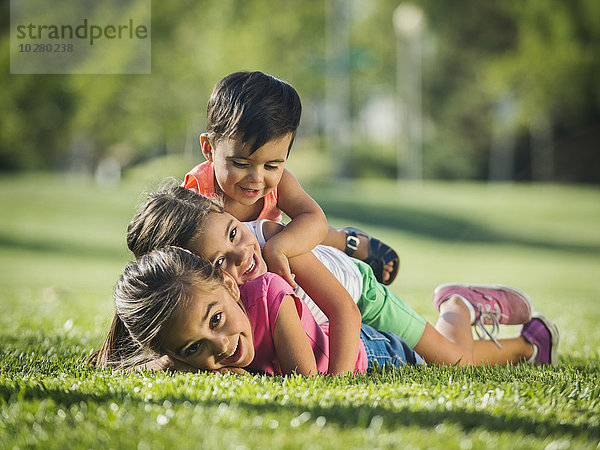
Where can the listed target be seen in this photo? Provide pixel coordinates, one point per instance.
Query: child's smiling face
(211, 330)
(230, 245)
(246, 178)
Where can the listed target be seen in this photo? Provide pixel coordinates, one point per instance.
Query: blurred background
(497, 90)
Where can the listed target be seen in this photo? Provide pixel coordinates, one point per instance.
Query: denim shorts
(387, 349)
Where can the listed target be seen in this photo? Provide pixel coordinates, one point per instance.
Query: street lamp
(409, 23)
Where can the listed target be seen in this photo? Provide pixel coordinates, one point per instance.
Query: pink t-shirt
(262, 299)
(201, 179)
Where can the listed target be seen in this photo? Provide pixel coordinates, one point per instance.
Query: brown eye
(214, 321)
(193, 348)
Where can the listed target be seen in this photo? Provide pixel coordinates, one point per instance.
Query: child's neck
(243, 213)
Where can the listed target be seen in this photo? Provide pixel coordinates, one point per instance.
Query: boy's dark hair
(253, 107)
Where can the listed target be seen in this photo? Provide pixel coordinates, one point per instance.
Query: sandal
(380, 254)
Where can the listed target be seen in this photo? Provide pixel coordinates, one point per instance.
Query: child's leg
(454, 323)
(385, 311)
(514, 350)
(337, 238)
(436, 348)
(487, 304)
(451, 341)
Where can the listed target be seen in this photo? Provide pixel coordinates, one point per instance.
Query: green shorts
(383, 310)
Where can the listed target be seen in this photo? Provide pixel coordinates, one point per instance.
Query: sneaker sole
(521, 294)
(554, 334)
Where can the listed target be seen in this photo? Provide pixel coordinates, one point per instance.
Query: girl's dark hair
(147, 296)
(254, 108)
(173, 216)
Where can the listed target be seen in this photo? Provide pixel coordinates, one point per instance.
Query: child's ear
(231, 285)
(206, 146)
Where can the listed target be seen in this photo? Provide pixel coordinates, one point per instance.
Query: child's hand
(278, 263)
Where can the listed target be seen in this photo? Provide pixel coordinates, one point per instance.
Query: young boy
(252, 120)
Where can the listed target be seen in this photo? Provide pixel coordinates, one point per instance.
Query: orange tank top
(201, 179)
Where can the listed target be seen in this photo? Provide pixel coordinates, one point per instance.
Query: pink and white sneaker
(492, 304)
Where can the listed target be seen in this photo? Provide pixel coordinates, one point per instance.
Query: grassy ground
(62, 248)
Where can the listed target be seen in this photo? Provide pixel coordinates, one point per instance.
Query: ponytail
(147, 295)
(118, 350)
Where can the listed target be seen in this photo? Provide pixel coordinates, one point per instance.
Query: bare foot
(337, 238)
(363, 253)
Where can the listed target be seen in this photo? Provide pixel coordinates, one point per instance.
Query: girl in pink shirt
(263, 298)
(174, 303)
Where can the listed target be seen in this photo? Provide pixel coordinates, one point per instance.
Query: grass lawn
(62, 248)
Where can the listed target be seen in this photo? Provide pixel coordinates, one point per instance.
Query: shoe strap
(352, 243)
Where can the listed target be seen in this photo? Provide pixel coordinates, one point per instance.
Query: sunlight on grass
(62, 248)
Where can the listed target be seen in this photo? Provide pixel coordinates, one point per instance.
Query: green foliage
(132, 116)
(551, 68)
(544, 55)
(61, 250)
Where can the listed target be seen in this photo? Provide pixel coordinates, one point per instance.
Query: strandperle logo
(85, 31)
(80, 37)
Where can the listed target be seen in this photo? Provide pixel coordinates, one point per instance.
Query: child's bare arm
(291, 343)
(306, 229)
(333, 299)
